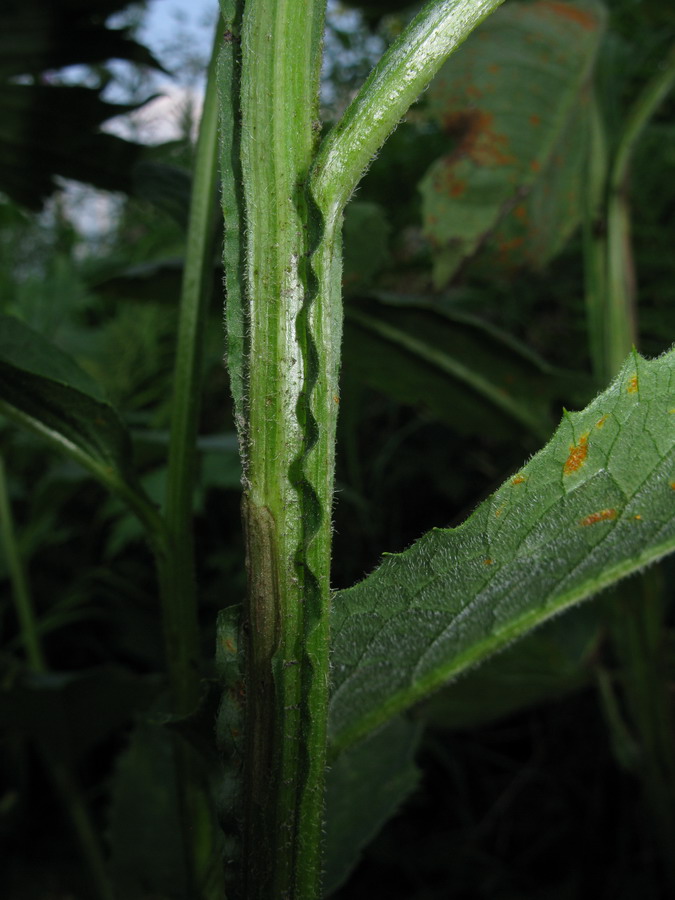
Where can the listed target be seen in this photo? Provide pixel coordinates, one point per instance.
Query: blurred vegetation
(532, 780)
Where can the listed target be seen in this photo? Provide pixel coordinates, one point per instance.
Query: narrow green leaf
(597, 503)
(510, 105)
(42, 388)
(455, 366)
(364, 788)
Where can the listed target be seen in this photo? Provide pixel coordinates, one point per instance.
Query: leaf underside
(515, 104)
(597, 503)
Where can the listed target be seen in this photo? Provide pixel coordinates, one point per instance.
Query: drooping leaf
(596, 504)
(510, 101)
(457, 367)
(43, 388)
(364, 788)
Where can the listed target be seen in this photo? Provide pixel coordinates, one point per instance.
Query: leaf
(55, 708)
(548, 664)
(510, 101)
(596, 504)
(455, 366)
(147, 855)
(366, 234)
(43, 388)
(364, 788)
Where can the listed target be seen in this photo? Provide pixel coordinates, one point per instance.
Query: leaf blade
(579, 515)
(43, 389)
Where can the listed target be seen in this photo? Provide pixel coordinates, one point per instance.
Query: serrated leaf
(364, 788)
(509, 101)
(453, 365)
(44, 389)
(597, 503)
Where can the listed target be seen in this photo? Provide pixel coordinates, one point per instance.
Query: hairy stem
(288, 560)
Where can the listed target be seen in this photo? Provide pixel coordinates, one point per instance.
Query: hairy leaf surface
(597, 503)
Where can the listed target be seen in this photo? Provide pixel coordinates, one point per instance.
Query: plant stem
(287, 518)
(284, 332)
(180, 603)
(20, 591)
(618, 313)
(62, 778)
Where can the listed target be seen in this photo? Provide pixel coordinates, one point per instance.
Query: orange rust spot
(457, 188)
(577, 457)
(639, 518)
(488, 561)
(604, 515)
(632, 385)
(520, 212)
(574, 14)
(336, 399)
(535, 165)
(519, 479)
(500, 510)
(494, 68)
(229, 646)
(506, 247)
(672, 484)
(477, 139)
(535, 119)
(601, 422)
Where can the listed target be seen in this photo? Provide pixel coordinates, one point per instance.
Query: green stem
(20, 591)
(287, 519)
(179, 595)
(63, 779)
(395, 83)
(620, 327)
(284, 334)
(594, 241)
